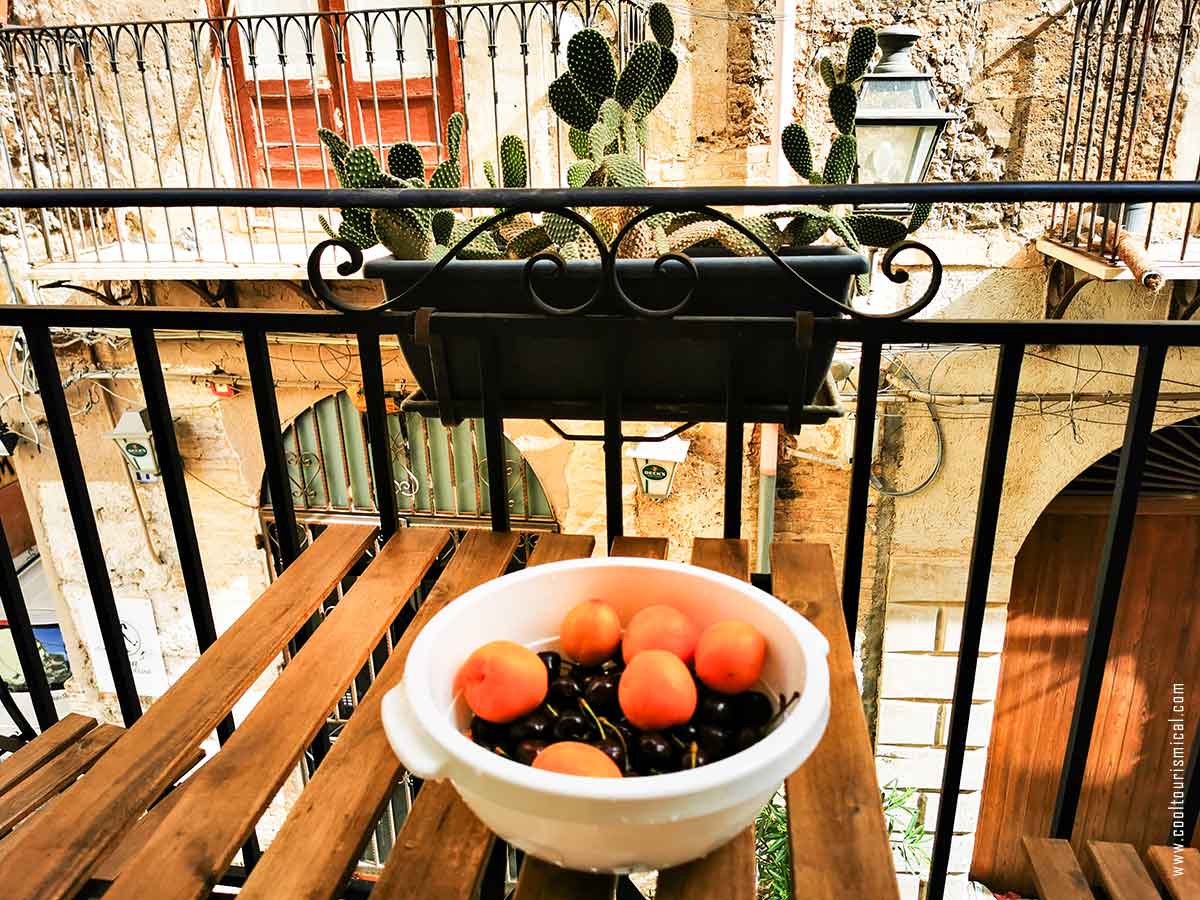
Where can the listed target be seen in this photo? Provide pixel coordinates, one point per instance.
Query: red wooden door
(1155, 648)
(337, 69)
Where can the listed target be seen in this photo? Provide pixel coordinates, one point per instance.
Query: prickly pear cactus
(810, 224)
(592, 90)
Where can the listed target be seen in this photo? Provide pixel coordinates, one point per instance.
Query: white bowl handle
(420, 755)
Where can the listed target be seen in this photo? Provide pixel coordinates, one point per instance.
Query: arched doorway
(1155, 652)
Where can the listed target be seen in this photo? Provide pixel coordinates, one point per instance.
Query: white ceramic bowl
(604, 824)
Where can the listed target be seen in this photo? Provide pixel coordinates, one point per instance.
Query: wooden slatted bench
(54, 761)
(1119, 871)
(111, 825)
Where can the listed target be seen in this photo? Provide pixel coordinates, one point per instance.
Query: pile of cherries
(581, 705)
(652, 696)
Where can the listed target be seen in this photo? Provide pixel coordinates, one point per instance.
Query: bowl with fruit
(612, 715)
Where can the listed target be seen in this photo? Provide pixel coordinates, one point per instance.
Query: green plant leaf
(638, 74)
(858, 55)
(828, 75)
(877, 231)
(580, 172)
(664, 77)
(662, 26)
(599, 138)
(842, 159)
(797, 149)
(920, 215)
(454, 132)
(447, 175)
(404, 160)
(623, 171)
(591, 64)
(843, 104)
(578, 139)
(514, 162)
(570, 103)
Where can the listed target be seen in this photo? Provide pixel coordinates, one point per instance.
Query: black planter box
(671, 368)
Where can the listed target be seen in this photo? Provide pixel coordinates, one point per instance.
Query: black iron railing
(236, 102)
(870, 334)
(1120, 121)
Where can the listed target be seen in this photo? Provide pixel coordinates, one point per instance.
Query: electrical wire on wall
(904, 374)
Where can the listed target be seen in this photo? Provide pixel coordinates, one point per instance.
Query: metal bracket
(1062, 287)
(798, 387)
(424, 336)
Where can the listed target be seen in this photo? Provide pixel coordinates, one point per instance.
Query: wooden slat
(1178, 870)
(558, 547)
(53, 859)
(135, 838)
(314, 852)
(541, 880)
(56, 775)
(442, 849)
(1121, 872)
(839, 839)
(440, 852)
(199, 837)
(643, 547)
(141, 830)
(1056, 872)
(728, 872)
(44, 748)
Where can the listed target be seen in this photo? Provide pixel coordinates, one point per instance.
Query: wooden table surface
(90, 806)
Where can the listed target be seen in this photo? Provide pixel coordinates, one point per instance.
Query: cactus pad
(454, 132)
(842, 160)
(489, 172)
(404, 160)
(514, 162)
(804, 230)
(858, 56)
(591, 64)
(623, 171)
(401, 231)
(600, 138)
(664, 77)
(578, 139)
(920, 215)
(843, 104)
(446, 175)
(828, 75)
(797, 148)
(442, 225)
(579, 174)
(570, 103)
(662, 26)
(876, 231)
(638, 74)
(560, 229)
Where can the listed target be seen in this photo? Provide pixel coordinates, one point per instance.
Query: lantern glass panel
(893, 153)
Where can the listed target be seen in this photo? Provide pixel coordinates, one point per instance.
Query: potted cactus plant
(609, 259)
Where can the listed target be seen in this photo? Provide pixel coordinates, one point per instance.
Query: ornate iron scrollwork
(549, 264)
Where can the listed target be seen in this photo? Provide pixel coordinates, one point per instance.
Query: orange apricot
(574, 758)
(660, 627)
(590, 632)
(729, 656)
(502, 681)
(656, 690)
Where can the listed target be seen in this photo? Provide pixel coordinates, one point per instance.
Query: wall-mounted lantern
(899, 119)
(656, 463)
(133, 436)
